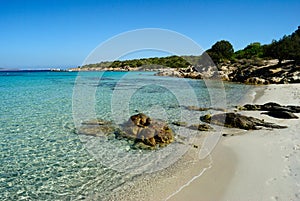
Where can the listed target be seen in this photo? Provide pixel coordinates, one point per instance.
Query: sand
(254, 165)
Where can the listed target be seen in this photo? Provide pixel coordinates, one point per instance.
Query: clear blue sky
(61, 33)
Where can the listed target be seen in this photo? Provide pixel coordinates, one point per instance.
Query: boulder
(281, 114)
(151, 132)
(270, 106)
(235, 120)
(256, 81)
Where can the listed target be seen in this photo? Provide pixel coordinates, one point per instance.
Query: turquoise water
(41, 156)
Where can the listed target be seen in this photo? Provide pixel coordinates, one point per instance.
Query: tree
(294, 53)
(221, 51)
(253, 50)
(288, 47)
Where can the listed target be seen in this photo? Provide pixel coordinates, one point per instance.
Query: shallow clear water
(41, 156)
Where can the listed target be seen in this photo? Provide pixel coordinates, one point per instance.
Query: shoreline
(210, 185)
(268, 168)
(254, 165)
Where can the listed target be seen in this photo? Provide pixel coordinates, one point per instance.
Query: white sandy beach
(257, 165)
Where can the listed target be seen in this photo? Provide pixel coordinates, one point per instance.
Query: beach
(44, 158)
(254, 165)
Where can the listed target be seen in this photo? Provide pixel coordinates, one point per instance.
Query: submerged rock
(97, 127)
(201, 127)
(195, 108)
(235, 120)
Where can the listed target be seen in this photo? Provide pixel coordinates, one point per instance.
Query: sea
(42, 156)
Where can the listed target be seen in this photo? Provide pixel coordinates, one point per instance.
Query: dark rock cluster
(147, 133)
(236, 120)
(275, 110)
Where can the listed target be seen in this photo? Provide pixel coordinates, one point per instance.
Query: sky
(62, 33)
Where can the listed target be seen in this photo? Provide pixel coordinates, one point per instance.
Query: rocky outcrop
(286, 72)
(248, 71)
(235, 120)
(145, 132)
(270, 106)
(150, 132)
(281, 114)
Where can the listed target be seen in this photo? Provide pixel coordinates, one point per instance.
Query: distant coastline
(259, 64)
(247, 71)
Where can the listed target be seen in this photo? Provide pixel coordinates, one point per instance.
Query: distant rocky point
(243, 71)
(248, 71)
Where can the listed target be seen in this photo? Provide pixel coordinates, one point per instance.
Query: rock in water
(195, 108)
(281, 114)
(97, 127)
(140, 120)
(235, 120)
(147, 133)
(201, 127)
(150, 132)
(179, 123)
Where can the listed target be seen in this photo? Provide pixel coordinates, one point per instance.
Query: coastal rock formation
(270, 106)
(235, 120)
(286, 72)
(150, 132)
(281, 114)
(145, 132)
(248, 71)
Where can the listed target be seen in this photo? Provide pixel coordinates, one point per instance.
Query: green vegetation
(286, 48)
(171, 61)
(221, 51)
(253, 50)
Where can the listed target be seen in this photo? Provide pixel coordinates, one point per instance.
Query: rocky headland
(248, 71)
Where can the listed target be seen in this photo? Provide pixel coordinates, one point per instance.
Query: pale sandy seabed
(251, 165)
